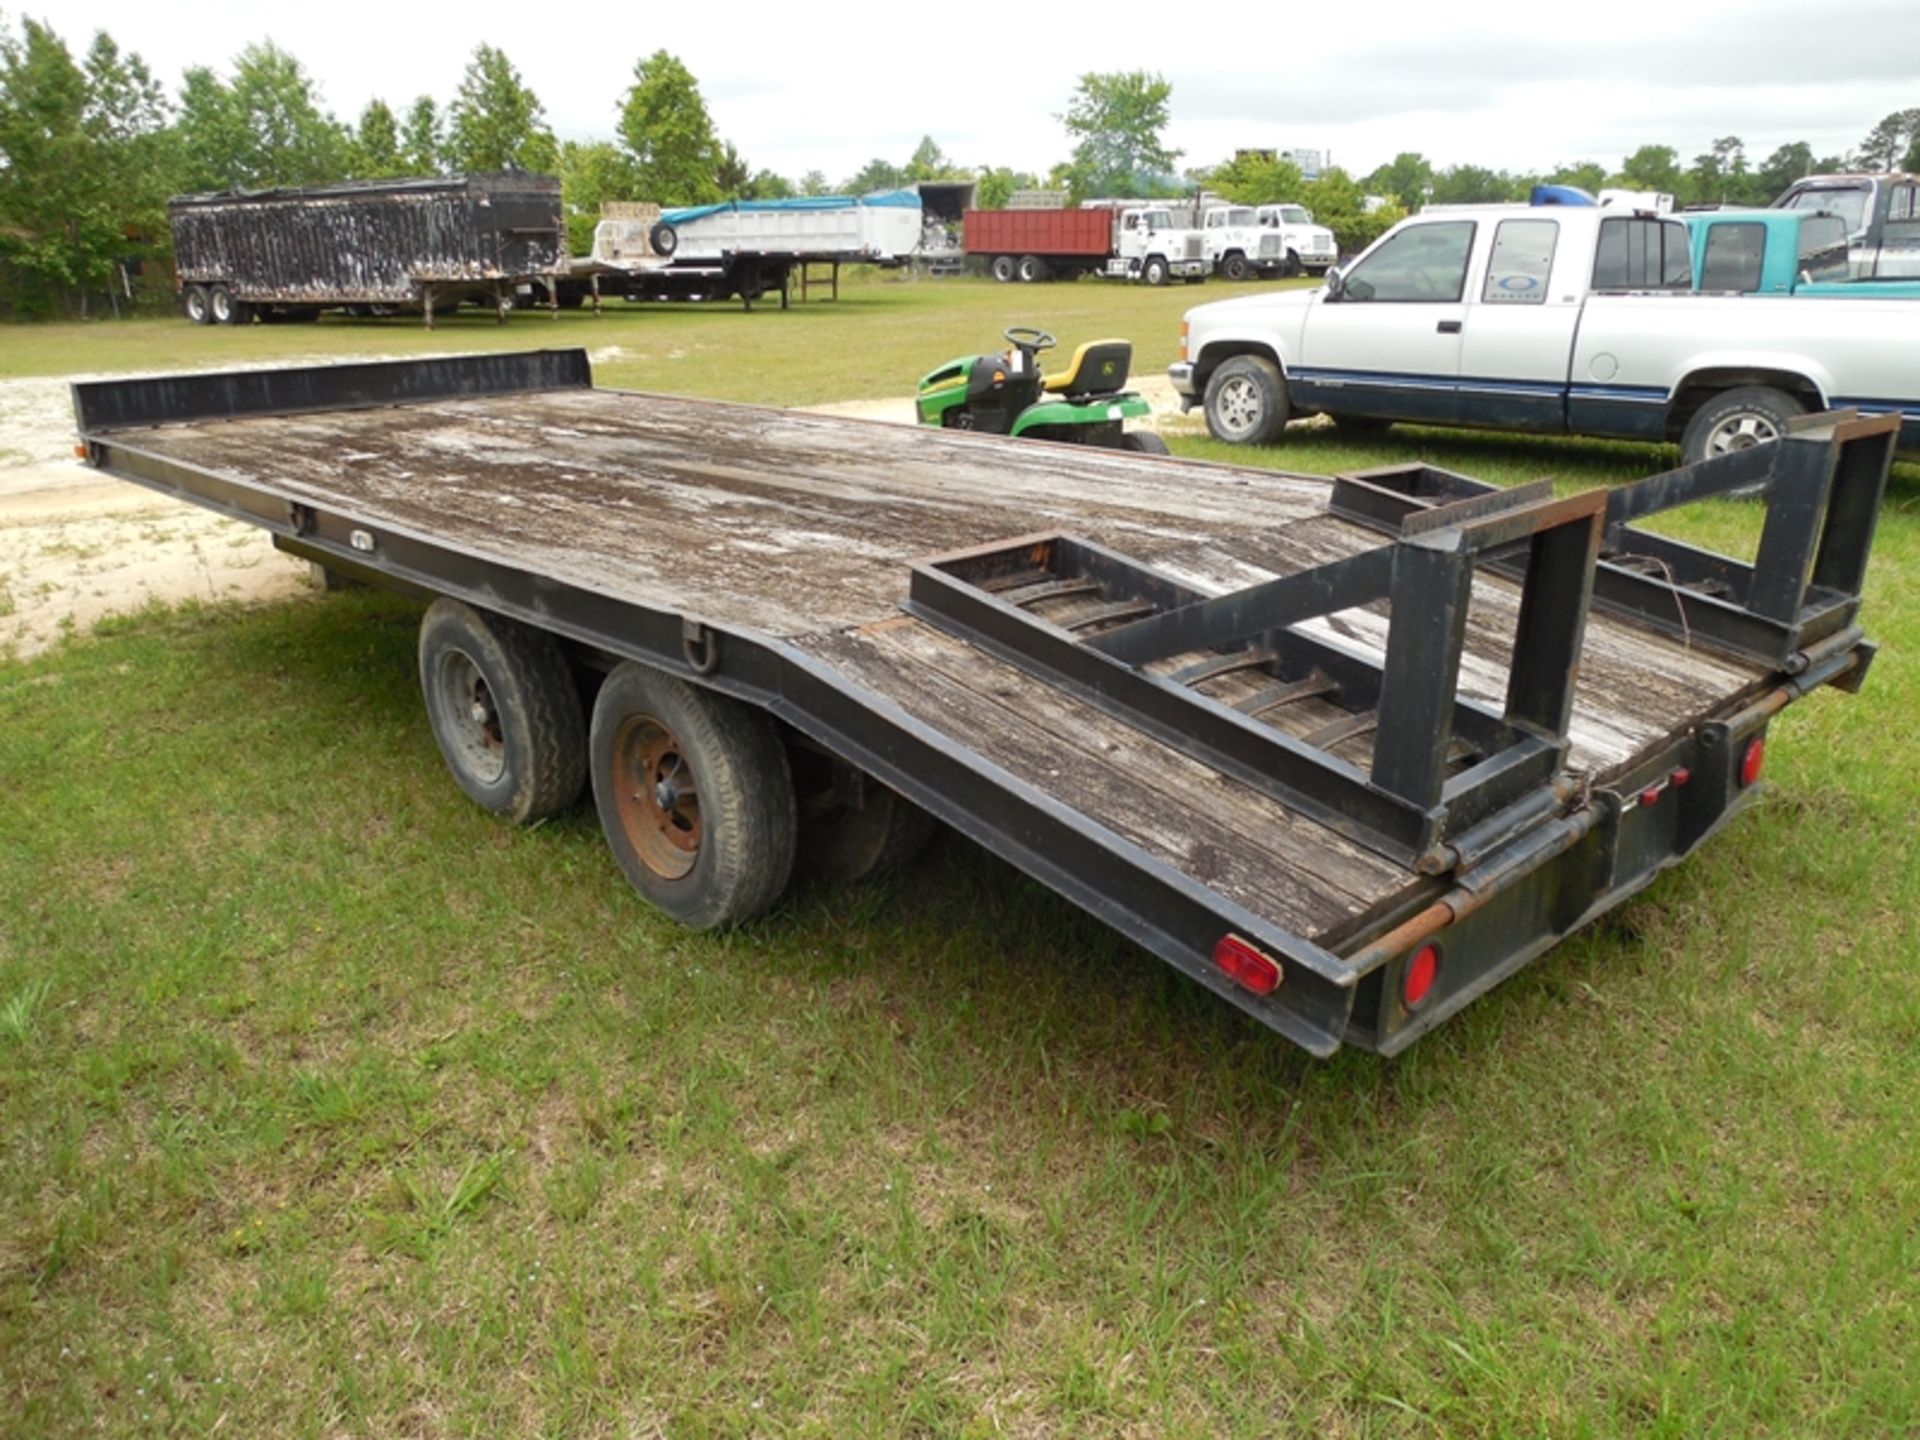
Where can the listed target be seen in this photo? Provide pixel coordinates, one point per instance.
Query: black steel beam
(103, 405)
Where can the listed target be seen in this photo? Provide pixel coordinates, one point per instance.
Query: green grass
(876, 340)
(333, 1108)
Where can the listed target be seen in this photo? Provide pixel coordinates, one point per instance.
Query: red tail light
(1752, 759)
(1247, 967)
(1417, 983)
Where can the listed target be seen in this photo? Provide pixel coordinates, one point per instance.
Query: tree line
(92, 145)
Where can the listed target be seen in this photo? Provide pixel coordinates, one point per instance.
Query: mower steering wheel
(1026, 337)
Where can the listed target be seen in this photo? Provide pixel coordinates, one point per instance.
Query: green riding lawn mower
(1006, 394)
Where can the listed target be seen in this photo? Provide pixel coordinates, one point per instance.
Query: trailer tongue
(1347, 753)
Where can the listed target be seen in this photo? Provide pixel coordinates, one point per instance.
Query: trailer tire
(714, 852)
(1002, 269)
(664, 239)
(504, 708)
(1032, 270)
(1155, 271)
(193, 304)
(1234, 266)
(1144, 442)
(223, 308)
(1737, 420)
(1246, 401)
(848, 846)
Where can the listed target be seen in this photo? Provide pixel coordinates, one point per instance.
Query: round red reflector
(1752, 759)
(1422, 971)
(1247, 967)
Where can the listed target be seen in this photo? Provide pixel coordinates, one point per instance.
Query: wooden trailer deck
(801, 528)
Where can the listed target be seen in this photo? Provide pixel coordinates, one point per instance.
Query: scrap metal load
(1346, 752)
(414, 244)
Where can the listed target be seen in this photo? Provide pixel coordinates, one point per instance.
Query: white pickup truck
(1558, 319)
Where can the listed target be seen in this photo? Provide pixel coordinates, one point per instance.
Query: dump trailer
(744, 248)
(1346, 752)
(367, 245)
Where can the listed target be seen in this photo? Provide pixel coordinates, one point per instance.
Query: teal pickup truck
(1780, 252)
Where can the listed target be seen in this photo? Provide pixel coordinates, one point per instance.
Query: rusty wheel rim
(656, 796)
(473, 720)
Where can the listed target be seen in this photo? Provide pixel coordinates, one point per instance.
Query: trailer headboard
(100, 405)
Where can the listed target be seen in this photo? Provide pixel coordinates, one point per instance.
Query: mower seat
(1099, 367)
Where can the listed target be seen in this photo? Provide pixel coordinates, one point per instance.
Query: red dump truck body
(1038, 232)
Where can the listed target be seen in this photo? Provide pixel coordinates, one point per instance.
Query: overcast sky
(806, 88)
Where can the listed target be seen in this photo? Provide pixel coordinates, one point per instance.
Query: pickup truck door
(1387, 342)
(1518, 336)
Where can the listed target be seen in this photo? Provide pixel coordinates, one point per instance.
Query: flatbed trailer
(1345, 751)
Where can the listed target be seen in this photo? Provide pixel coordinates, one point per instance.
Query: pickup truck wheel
(1002, 269)
(1738, 420)
(1154, 272)
(695, 795)
(503, 706)
(193, 304)
(1234, 267)
(1246, 401)
(1144, 442)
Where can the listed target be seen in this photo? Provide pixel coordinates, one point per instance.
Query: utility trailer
(370, 246)
(1345, 751)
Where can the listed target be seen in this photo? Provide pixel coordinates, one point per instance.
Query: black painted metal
(1822, 486)
(1408, 804)
(104, 405)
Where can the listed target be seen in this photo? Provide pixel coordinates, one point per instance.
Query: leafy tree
(1116, 121)
(1339, 203)
(995, 186)
(592, 172)
(1651, 167)
(265, 128)
(495, 121)
(1473, 185)
(668, 134)
(1721, 176)
(1891, 140)
(1911, 161)
(876, 175)
(83, 178)
(767, 185)
(422, 143)
(930, 162)
(731, 173)
(1589, 175)
(376, 143)
(814, 182)
(1787, 164)
(1408, 179)
(1250, 178)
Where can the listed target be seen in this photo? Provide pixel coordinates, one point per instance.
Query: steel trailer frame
(1506, 852)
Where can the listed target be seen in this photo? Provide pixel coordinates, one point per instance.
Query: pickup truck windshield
(1421, 263)
(1849, 202)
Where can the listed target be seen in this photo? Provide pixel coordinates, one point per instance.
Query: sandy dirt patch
(77, 546)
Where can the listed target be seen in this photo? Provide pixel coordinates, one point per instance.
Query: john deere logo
(1106, 370)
